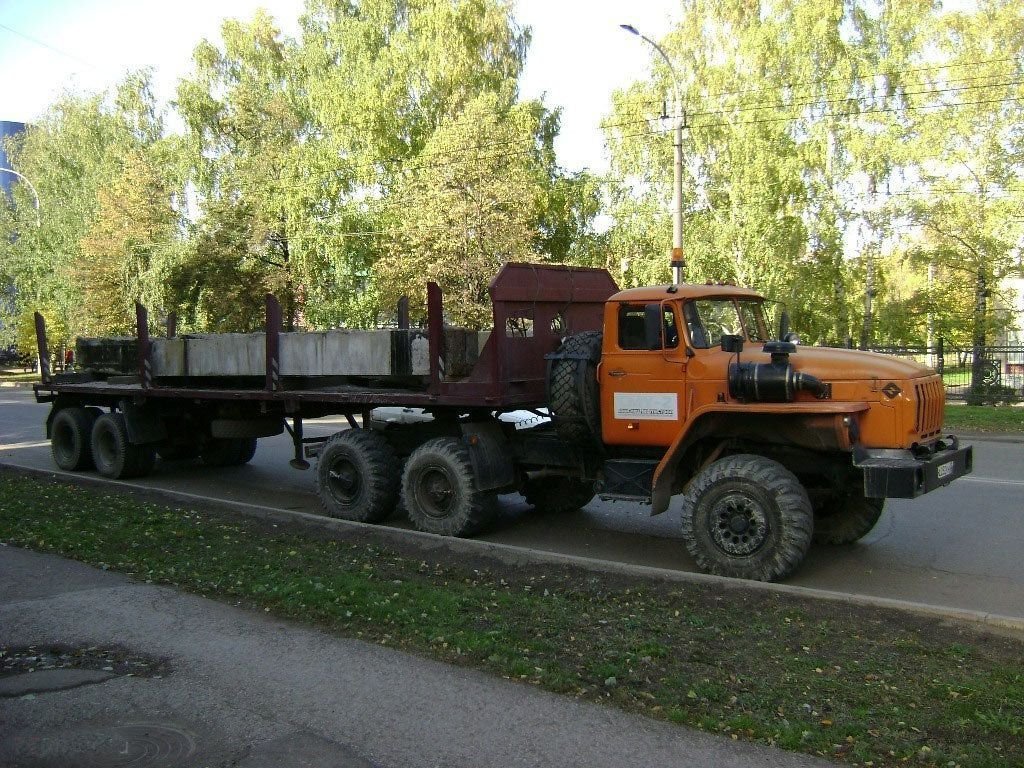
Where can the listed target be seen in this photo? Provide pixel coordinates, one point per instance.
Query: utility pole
(677, 260)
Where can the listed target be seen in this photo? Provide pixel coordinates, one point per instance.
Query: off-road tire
(228, 452)
(246, 450)
(439, 492)
(71, 438)
(178, 452)
(557, 495)
(848, 515)
(747, 517)
(358, 476)
(114, 455)
(574, 393)
(239, 429)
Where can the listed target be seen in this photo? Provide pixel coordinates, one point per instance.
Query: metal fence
(1001, 368)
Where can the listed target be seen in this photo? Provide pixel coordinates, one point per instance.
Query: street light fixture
(678, 262)
(31, 187)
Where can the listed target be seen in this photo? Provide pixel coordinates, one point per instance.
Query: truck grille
(931, 398)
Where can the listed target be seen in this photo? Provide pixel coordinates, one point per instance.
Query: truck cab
(771, 445)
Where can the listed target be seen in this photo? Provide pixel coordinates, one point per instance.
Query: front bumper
(905, 474)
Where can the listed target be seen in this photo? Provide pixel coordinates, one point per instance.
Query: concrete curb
(17, 384)
(992, 437)
(514, 555)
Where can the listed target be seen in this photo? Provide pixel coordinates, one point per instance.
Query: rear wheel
(847, 515)
(71, 438)
(557, 495)
(357, 476)
(439, 493)
(747, 517)
(115, 456)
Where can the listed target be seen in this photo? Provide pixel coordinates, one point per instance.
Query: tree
(217, 284)
(77, 149)
(971, 157)
(124, 248)
(468, 206)
(244, 123)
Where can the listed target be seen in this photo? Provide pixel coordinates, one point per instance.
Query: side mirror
(732, 343)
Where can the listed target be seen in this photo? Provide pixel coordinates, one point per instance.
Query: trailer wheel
(71, 438)
(557, 495)
(178, 452)
(114, 455)
(747, 517)
(237, 429)
(357, 476)
(228, 452)
(439, 492)
(575, 402)
(246, 450)
(848, 515)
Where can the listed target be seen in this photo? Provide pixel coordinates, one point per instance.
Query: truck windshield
(707, 320)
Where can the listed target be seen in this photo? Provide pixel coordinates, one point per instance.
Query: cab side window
(632, 327)
(671, 328)
(695, 327)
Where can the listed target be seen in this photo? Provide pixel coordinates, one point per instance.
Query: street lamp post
(678, 262)
(30, 186)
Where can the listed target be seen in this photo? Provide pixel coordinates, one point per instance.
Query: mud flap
(490, 454)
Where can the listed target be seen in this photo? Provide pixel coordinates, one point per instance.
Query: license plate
(945, 470)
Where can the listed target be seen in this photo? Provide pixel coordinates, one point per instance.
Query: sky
(578, 56)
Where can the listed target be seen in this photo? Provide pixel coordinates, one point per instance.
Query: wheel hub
(436, 493)
(739, 526)
(344, 480)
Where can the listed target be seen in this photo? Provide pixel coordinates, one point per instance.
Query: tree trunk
(978, 338)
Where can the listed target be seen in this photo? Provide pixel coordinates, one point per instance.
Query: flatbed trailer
(640, 395)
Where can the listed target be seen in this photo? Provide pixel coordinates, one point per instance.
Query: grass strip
(19, 376)
(984, 418)
(860, 685)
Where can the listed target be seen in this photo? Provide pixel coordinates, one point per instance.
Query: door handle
(617, 372)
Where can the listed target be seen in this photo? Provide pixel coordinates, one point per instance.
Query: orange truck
(639, 395)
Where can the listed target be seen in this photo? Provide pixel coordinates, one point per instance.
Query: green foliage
(84, 159)
(468, 207)
(859, 161)
(853, 683)
(891, 126)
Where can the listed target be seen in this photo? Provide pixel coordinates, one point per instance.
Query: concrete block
(112, 354)
(168, 357)
(226, 354)
(382, 353)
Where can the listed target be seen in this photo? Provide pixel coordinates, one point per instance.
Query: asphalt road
(959, 547)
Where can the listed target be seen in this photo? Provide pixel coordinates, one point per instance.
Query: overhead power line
(855, 79)
(47, 46)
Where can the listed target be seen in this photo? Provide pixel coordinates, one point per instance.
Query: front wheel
(439, 492)
(747, 517)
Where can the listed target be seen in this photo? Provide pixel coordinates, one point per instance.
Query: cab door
(643, 375)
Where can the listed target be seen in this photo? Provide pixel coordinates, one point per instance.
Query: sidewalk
(215, 685)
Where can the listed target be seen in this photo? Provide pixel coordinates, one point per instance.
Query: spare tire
(574, 394)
